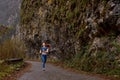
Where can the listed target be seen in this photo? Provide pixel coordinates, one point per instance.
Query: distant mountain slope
(9, 12)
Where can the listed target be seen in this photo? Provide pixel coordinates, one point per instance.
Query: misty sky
(9, 11)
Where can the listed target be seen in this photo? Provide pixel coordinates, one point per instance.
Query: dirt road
(53, 73)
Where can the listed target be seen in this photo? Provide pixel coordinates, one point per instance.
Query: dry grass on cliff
(13, 48)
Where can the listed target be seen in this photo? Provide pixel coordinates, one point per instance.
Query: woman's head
(43, 44)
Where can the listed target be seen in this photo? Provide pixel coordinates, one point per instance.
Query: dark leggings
(44, 59)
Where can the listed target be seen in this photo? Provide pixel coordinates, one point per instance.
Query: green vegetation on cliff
(28, 10)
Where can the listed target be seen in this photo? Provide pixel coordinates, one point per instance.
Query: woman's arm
(47, 50)
(40, 52)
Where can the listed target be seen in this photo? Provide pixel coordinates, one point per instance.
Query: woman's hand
(40, 52)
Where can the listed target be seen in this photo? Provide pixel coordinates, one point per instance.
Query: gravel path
(53, 73)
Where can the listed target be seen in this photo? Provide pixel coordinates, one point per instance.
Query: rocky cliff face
(10, 12)
(78, 29)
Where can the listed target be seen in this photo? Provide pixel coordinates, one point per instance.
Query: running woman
(44, 52)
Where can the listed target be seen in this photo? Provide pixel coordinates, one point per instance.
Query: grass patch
(6, 69)
(115, 73)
